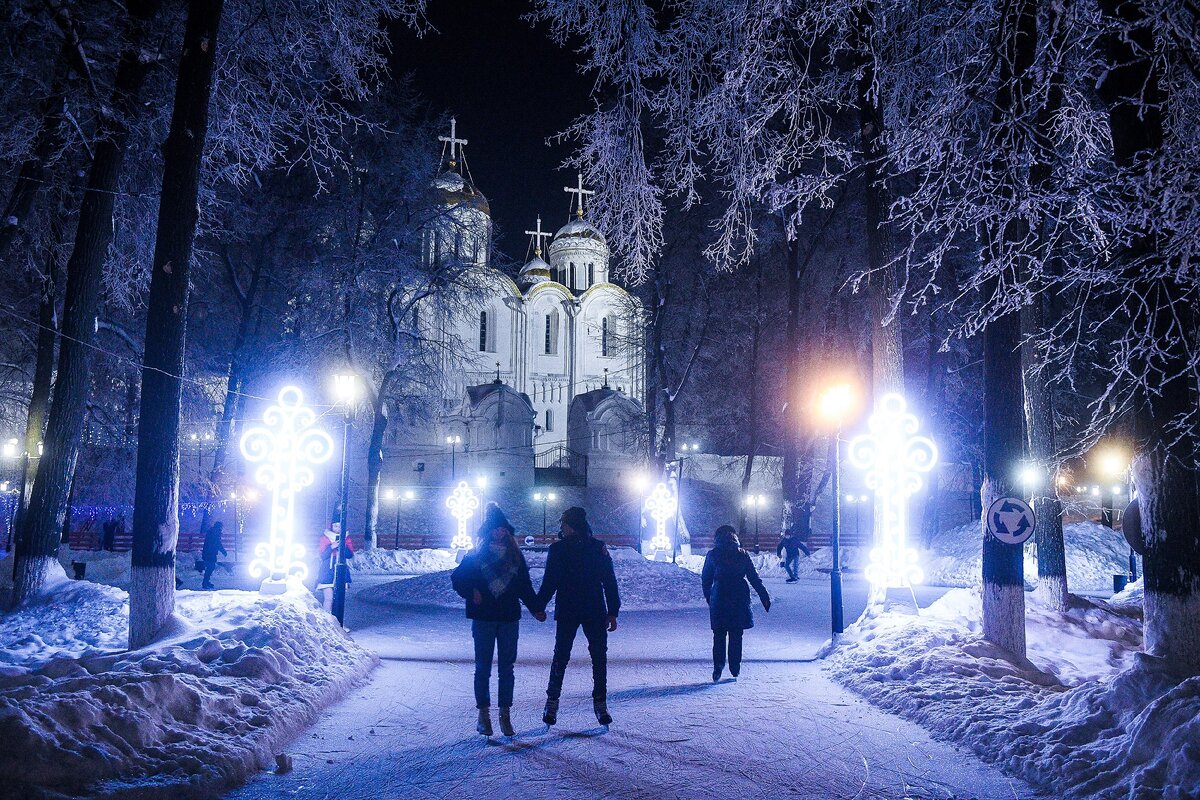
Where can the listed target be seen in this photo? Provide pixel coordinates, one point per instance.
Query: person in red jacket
(327, 559)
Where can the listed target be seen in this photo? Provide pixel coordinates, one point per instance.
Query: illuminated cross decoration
(538, 235)
(454, 141)
(285, 448)
(894, 458)
(661, 505)
(579, 190)
(462, 503)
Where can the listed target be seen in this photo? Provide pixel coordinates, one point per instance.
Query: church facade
(541, 371)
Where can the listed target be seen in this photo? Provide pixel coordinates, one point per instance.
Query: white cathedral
(543, 375)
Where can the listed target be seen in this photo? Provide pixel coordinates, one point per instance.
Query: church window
(591, 274)
(549, 420)
(572, 277)
(604, 334)
(551, 340)
(483, 331)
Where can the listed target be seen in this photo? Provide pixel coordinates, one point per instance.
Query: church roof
(451, 189)
(478, 393)
(536, 271)
(579, 228)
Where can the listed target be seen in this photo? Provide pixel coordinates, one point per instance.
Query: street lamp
(834, 405)
(857, 501)
(345, 391)
(544, 498)
(454, 442)
(755, 501)
(1113, 465)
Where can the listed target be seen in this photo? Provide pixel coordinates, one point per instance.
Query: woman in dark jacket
(727, 577)
(494, 580)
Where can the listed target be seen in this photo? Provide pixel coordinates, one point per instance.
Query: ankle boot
(506, 727)
(550, 715)
(601, 709)
(484, 726)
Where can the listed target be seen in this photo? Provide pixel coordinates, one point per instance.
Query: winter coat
(579, 571)
(212, 546)
(468, 579)
(327, 560)
(791, 543)
(727, 577)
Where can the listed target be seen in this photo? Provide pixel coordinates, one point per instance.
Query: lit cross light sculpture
(285, 448)
(661, 505)
(462, 503)
(894, 458)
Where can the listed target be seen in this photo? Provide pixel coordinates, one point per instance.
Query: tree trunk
(38, 535)
(43, 372)
(1003, 402)
(935, 398)
(753, 413)
(156, 493)
(379, 423)
(791, 494)
(1164, 466)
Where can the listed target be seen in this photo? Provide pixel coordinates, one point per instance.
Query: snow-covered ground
(403, 562)
(643, 585)
(241, 675)
(1088, 717)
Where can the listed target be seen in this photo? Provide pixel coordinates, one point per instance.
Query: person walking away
(208, 554)
(579, 574)
(327, 553)
(726, 579)
(494, 581)
(109, 540)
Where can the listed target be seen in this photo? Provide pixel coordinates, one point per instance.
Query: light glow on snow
(661, 505)
(285, 448)
(894, 458)
(462, 503)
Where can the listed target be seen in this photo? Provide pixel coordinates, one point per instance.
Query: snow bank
(644, 585)
(188, 716)
(1086, 717)
(1094, 554)
(1129, 600)
(379, 561)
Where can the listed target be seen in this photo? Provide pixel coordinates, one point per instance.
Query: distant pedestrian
(108, 541)
(726, 580)
(579, 573)
(327, 554)
(790, 545)
(212, 548)
(494, 580)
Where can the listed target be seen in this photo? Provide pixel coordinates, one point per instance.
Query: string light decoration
(462, 503)
(894, 458)
(285, 448)
(661, 505)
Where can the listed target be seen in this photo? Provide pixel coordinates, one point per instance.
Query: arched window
(571, 284)
(605, 332)
(550, 347)
(549, 420)
(591, 274)
(483, 331)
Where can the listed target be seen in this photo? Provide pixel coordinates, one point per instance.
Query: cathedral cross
(579, 190)
(539, 234)
(454, 142)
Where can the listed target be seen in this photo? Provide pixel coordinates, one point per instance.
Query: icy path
(784, 730)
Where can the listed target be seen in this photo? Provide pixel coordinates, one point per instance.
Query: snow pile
(643, 584)
(379, 561)
(1086, 717)
(768, 565)
(1094, 554)
(188, 716)
(1128, 600)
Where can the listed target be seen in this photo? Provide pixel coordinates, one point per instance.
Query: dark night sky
(511, 88)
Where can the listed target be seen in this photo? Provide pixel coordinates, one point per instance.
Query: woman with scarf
(726, 580)
(494, 580)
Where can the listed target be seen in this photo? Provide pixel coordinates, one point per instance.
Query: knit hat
(576, 518)
(726, 536)
(494, 518)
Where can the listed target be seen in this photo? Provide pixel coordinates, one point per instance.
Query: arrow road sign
(1011, 520)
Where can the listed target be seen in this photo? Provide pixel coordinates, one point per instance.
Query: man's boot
(601, 709)
(506, 727)
(550, 715)
(484, 726)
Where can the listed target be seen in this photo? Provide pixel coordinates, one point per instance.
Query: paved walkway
(783, 730)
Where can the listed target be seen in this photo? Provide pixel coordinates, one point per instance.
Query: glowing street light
(544, 498)
(9, 449)
(894, 457)
(285, 448)
(755, 501)
(462, 503)
(345, 392)
(661, 505)
(1030, 476)
(834, 405)
(454, 441)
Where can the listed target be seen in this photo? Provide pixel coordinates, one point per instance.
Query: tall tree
(156, 493)
(38, 532)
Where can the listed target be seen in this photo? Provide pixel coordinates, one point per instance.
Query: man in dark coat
(212, 547)
(726, 579)
(579, 573)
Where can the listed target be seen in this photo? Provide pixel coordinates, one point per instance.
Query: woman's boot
(484, 726)
(506, 727)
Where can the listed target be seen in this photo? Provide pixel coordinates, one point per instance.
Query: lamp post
(755, 501)
(857, 501)
(454, 442)
(833, 406)
(1113, 466)
(345, 387)
(544, 498)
